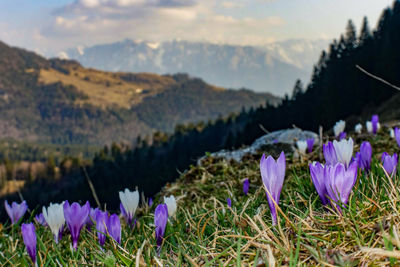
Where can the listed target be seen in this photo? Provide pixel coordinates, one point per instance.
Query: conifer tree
(298, 89)
(365, 33)
(351, 35)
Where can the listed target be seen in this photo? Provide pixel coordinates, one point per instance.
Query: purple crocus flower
(246, 186)
(339, 182)
(150, 202)
(397, 135)
(29, 237)
(329, 153)
(229, 201)
(160, 221)
(101, 218)
(389, 162)
(375, 123)
(273, 174)
(342, 135)
(76, 217)
(310, 144)
(40, 219)
(317, 171)
(365, 156)
(114, 227)
(15, 211)
(91, 218)
(384, 154)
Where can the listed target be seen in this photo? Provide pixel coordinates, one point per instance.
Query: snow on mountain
(273, 68)
(300, 52)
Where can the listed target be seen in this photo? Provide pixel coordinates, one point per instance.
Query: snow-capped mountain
(271, 69)
(299, 52)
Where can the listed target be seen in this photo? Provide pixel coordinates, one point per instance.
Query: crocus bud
(317, 171)
(114, 227)
(339, 128)
(391, 133)
(54, 216)
(39, 218)
(368, 125)
(344, 151)
(329, 153)
(229, 201)
(310, 145)
(365, 156)
(375, 123)
(273, 174)
(246, 186)
(76, 217)
(29, 237)
(15, 211)
(91, 218)
(339, 182)
(397, 135)
(129, 204)
(171, 204)
(302, 147)
(358, 128)
(389, 163)
(160, 221)
(101, 225)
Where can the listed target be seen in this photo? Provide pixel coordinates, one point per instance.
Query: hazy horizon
(48, 27)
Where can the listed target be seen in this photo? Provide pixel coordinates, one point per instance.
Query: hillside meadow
(205, 231)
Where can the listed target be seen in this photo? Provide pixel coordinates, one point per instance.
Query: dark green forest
(337, 90)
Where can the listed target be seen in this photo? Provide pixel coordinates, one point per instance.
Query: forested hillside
(60, 102)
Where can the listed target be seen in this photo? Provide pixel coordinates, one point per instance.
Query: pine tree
(351, 35)
(365, 33)
(298, 89)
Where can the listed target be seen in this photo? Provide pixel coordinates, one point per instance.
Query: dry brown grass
(11, 187)
(105, 89)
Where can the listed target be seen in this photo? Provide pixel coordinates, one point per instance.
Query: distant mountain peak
(273, 68)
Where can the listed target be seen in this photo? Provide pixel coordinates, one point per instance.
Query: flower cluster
(333, 180)
(76, 216)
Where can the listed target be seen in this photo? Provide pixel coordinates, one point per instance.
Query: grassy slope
(207, 232)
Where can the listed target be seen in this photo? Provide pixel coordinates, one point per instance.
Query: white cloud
(231, 4)
(62, 55)
(91, 22)
(89, 3)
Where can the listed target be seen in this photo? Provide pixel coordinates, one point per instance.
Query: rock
(288, 136)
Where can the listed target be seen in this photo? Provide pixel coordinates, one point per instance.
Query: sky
(51, 26)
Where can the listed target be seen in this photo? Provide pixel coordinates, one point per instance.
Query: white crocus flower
(339, 127)
(302, 146)
(344, 150)
(368, 124)
(54, 216)
(130, 201)
(171, 205)
(391, 132)
(358, 128)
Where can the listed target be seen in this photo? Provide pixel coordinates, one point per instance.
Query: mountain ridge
(59, 101)
(230, 66)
